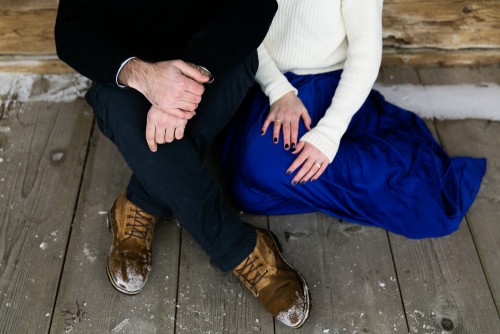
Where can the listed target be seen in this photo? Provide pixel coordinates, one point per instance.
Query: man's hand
(286, 112)
(174, 89)
(161, 128)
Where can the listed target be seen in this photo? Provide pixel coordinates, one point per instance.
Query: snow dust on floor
(442, 102)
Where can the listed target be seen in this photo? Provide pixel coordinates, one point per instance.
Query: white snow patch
(44, 245)
(56, 87)
(89, 254)
(446, 101)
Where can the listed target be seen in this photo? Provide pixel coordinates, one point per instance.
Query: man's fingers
(178, 113)
(191, 71)
(169, 135)
(179, 133)
(150, 136)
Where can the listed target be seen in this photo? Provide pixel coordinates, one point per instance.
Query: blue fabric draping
(389, 171)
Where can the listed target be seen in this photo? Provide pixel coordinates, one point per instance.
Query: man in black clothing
(167, 77)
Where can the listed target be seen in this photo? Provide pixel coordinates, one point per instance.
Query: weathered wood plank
(433, 57)
(349, 270)
(27, 32)
(445, 24)
(481, 139)
(214, 302)
(42, 151)
(18, 5)
(443, 285)
(33, 64)
(459, 75)
(87, 303)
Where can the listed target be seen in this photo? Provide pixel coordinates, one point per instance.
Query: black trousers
(174, 179)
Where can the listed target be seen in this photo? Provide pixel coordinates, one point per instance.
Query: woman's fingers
(310, 163)
(276, 130)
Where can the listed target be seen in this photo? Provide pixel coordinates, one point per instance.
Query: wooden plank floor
(59, 176)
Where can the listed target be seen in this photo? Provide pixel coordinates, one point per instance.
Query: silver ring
(277, 121)
(318, 165)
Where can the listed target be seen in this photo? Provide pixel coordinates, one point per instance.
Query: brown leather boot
(279, 287)
(129, 259)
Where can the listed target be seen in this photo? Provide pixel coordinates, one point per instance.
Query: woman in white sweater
(313, 136)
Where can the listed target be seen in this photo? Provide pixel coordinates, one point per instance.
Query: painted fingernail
(302, 182)
(293, 149)
(286, 146)
(293, 146)
(288, 172)
(294, 183)
(261, 132)
(275, 139)
(313, 180)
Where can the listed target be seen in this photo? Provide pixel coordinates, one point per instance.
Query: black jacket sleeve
(89, 39)
(85, 43)
(235, 33)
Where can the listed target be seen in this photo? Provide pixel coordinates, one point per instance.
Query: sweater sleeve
(363, 24)
(272, 82)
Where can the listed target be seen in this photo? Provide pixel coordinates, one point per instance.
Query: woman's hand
(312, 160)
(286, 112)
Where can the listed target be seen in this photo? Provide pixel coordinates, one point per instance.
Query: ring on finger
(319, 165)
(277, 121)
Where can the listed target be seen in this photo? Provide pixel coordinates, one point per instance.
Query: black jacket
(96, 36)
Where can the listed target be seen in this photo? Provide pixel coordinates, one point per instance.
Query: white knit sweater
(317, 36)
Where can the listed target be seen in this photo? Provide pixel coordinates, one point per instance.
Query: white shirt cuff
(118, 72)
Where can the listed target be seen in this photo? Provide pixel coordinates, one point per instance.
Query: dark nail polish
(313, 180)
(288, 172)
(293, 149)
(261, 132)
(286, 146)
(302, 182)
(293, 146)
(275, 139)
(294, 183)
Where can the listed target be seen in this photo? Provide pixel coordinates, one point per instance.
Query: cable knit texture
(322, 36)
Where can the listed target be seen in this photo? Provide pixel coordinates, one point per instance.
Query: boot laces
(245, 273)
(141, 224)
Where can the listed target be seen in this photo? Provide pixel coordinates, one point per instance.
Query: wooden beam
(443, 24)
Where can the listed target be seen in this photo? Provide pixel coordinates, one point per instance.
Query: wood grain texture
(444, 24)
(443, 285)
(42, 150)
(27, 32)
(20, 5)
(214, 302)
(427, 57)
(416, 33)
(87, 303)
(350, 273)
(481, 139)
(33, 64)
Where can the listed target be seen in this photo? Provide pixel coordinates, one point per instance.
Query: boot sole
(108, 270)
(305, 287)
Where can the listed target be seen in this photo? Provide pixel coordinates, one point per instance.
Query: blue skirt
(389, 171)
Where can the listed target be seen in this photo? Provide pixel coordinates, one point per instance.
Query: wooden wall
(416, 33)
